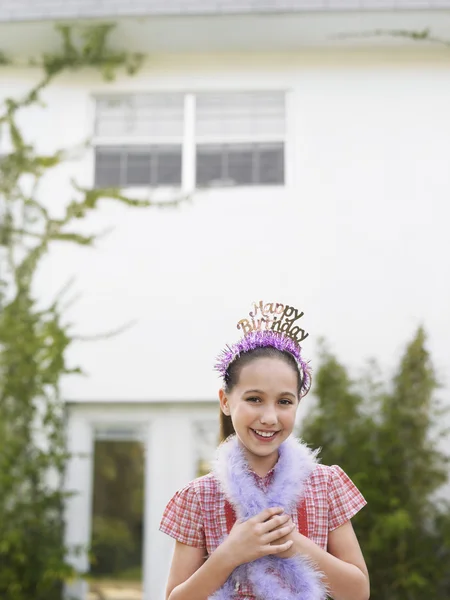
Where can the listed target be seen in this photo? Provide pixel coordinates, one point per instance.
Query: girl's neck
(261, 465)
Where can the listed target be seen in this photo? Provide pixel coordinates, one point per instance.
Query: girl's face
(262, 406)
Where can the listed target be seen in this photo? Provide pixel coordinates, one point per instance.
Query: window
(240, 139)
(177, 140)
(139, 140)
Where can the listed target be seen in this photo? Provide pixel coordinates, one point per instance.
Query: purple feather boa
(271, 577)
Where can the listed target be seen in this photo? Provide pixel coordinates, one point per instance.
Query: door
(126, 462)
(117, 514)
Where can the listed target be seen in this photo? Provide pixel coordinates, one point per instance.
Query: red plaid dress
(197, 515)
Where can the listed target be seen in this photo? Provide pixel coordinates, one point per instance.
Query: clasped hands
(269, 532)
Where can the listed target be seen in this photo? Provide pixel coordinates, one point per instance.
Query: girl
(269, 523)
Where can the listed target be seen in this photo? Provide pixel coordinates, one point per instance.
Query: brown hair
(226, 426)
(233, 372)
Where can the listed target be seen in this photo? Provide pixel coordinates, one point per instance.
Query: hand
(259, 536)
(291, 536)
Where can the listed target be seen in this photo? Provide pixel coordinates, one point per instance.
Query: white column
(170, 465)
(291, 151)
(78, 507)
(189, 158)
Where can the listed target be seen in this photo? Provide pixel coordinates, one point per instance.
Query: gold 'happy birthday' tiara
(274, 317)
(269, 325)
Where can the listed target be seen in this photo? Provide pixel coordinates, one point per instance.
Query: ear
(224, 405)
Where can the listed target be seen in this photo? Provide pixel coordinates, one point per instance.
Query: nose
(269, 416)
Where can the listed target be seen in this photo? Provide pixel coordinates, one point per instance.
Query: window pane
(113, 115)
(117, 520)
(271, 164)
(158, 115)
(240, 164)
(138, 168)
(231, 114)
(209, 165)
(168, 166)
(108, 167)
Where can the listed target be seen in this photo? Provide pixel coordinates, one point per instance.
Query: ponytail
(226, 427)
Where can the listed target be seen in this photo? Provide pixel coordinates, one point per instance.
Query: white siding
(357, 238)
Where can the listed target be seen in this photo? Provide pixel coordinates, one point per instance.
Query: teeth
(265, 433)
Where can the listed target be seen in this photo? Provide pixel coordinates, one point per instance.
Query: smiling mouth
(265, 436)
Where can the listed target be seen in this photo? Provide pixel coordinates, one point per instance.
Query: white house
(318, 160)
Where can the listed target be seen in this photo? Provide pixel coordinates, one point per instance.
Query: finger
(278, 533)
(282, 522)
(277, 549)
(283, 539)
(268, 513)
(274, 523)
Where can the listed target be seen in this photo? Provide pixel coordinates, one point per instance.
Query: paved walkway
(115, 591)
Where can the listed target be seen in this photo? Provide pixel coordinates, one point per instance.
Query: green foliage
(118, 502)
(388, 443)
(92, 50)
(112, 542)
(34, 339)
(32, 451)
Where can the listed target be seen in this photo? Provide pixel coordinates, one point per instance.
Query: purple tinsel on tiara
(263, 339)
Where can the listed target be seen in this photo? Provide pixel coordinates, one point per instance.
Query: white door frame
(168, 431)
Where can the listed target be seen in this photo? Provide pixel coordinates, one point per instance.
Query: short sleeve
(182, 518)
(344, 498)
